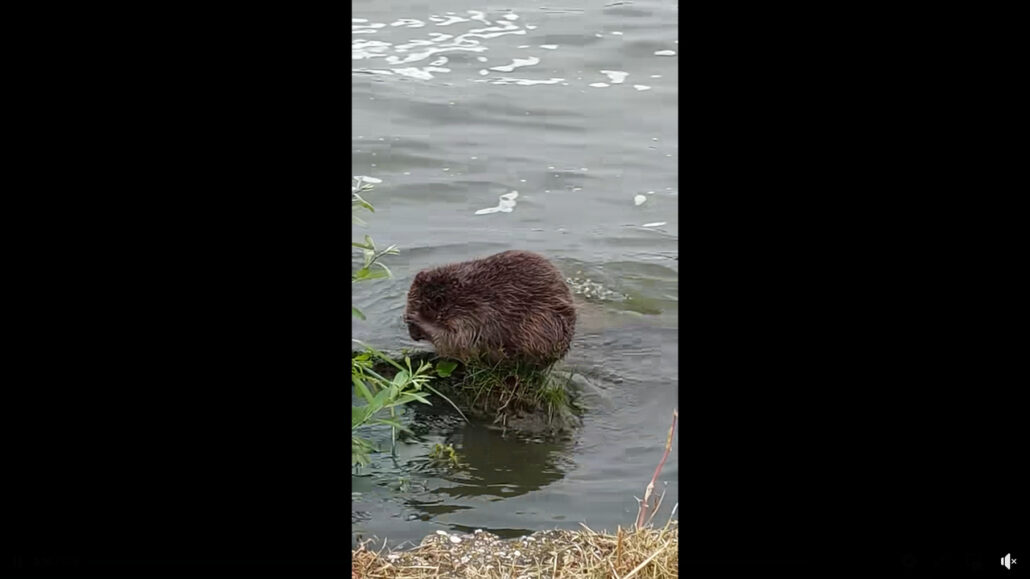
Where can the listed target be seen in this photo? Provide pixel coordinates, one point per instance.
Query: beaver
(510, 307)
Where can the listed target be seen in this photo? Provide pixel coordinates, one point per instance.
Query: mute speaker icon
(1007, 561)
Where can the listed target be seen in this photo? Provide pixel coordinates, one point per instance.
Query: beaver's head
(428, 303)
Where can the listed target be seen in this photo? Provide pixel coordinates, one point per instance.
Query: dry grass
(647, 553)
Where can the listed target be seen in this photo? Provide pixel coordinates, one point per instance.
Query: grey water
(550, 127)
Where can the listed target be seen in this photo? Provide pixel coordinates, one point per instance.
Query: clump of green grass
(501, 391)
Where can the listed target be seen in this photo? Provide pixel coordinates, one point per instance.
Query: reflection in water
(496, 466)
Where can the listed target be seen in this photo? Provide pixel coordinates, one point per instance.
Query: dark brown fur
(512, 306)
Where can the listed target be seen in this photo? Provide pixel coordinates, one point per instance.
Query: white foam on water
(616, 76)
(665, 53)
(641, 87)
(409, 22)
(639, 200)
(599, 84)
(517, 63)
(520, 81)
(506, 204)
(549, 46)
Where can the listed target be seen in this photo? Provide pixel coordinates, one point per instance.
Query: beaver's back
(514, 305)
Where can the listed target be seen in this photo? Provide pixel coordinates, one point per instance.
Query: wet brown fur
(512, 306)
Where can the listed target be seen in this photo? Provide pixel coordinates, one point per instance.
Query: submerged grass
(649, 553)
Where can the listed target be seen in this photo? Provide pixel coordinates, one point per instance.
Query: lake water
(573, 106)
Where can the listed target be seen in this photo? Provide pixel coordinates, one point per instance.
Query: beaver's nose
(415, 332)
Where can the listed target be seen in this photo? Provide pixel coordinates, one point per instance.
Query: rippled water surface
(551, 128)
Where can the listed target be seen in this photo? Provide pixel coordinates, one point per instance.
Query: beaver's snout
(415, 331)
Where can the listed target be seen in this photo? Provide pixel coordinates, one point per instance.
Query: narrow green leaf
(356, 313)
(362, 390)
(391, 423)
(358, 416)
(380, 400)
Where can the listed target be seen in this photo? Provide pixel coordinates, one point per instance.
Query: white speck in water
(654, 138)
(599, 35)
(668, 154)
(473, 158)
(549, 46)
(599, 84)
(373, 164)
(656, 76)
(439, 62)
(451, 103)
(641, 87)
(616, 33)
(639, 199)
(524, 46)
(665, 53)
(510, 16)
(407, 172)
(522, 180)
(655, 224)
(484, 72)
(439, 532)
(616, 76)
(531, 26)
(547, 190)
(551, 167)
(358, 20)
(482, 58)
(446, 168)
(516, 63)
(583, 169)
(369, 179)
(505, 205)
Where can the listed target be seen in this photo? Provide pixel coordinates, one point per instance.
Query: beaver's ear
(421, 277)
